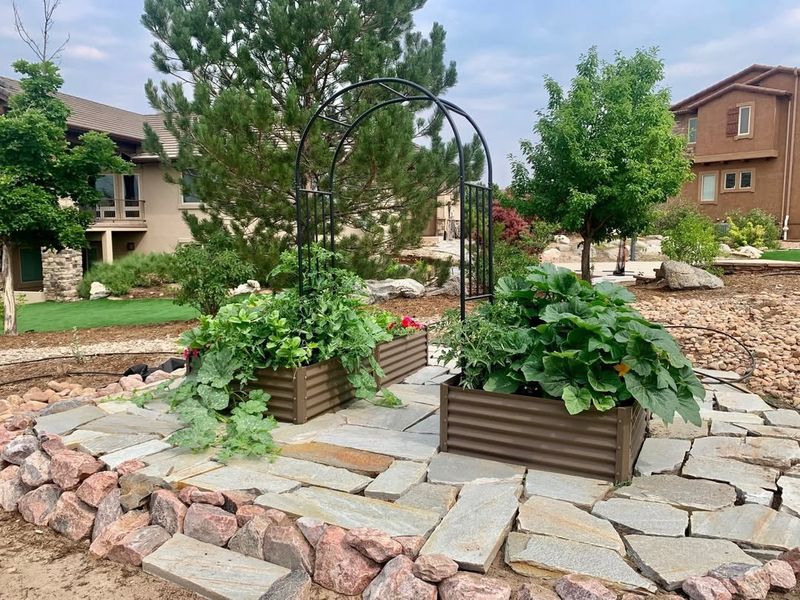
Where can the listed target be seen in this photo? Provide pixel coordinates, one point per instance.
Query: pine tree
(257, 70)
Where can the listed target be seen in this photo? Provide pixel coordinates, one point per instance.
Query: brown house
(743, 132)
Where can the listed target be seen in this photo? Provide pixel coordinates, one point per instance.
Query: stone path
(702, 497)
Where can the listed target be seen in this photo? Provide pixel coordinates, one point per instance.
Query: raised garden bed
(540, 433)
(300, 394)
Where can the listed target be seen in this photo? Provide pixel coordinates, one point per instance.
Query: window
(708, 187)
(730, 181)
(30, 265)
(131, 185)
(691, 130)
(189, 195)
(745, 180)
(105, 185)
(744, 119)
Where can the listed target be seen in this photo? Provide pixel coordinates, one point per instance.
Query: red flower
(410, 323)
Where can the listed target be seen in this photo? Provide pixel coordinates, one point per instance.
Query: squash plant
(550, 333)
(274, 331)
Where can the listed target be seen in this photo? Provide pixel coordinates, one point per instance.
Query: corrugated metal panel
(540, 433)
(402, 357)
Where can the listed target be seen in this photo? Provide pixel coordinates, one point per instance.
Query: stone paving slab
(79, 436)
(455, 469)
(349, 511)
(114, 459)
(113, 442)
(67, 421)
(396, 480)
(304, 471)
(581, 491)
(425, 374)
(789, 433)
(473, 531)
(790, 495)
(115, 406)
(678, 429)
(129, 423)
(731, 417)
(734, 401)
(427, 425)
(288, 433)
(398, 419)
(727, 470)
(782, 417)
(543, 556)
(648, 518)
(358, 461)
(236, 478)
(690, 494)
(721, 428)
(177, 464)
(423, 394)
(769, 452)
(429, 496)
(715, 375)
(556, 518)
(399, 444)
(751, 524)
(212, 572)
(671, 560)
(661, 455)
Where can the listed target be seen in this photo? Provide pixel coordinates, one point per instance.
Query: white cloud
(85, 52)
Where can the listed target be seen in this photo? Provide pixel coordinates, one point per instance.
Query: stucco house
(743, 134)
(140, 211)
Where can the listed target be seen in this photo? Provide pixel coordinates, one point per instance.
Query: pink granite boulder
(340, 567)
(209, 524)
(398, 582)
(72, 517)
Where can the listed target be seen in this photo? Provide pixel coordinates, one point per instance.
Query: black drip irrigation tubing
(70, 373)
(730, 382)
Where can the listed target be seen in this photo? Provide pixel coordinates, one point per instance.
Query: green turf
(781, 255)
(62, 316)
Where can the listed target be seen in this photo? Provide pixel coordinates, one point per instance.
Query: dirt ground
(38, 564)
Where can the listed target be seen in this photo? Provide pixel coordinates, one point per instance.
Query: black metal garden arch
(316, 215)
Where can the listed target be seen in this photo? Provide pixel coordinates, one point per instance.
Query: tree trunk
(586, 263)
(10, 318)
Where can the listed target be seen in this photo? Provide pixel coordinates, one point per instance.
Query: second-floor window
(744, 119)
(105, 185)
(691, 130)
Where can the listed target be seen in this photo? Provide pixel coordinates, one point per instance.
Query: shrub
(548, 333)
(754, 228)
(206, 272)
(690, 238)
(133, 270)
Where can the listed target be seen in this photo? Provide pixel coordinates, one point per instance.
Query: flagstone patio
(702, 497)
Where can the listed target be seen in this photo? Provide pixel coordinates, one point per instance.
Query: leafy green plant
(133, 270)
(206, 273)
(754, 228)
(551, 334)
(691, 239)
(281, 330)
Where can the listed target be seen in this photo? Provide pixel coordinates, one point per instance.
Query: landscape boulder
(35, 469)
(341, 568)
(682, 276)
(209, 524)
(19, 448)
(469, 586)
(138, 544)
(70, 467)
(284, 545)
(249, 539)
(743, 580)
(72, 517)
(116, 532)
(435, 567)
(98, 291)
(705, 588)
(387, 289)
(748, 252)
(398, 582)
(582, 587)
(12, 490)
(781, 575)
(374, 544)
(96, 487)
(37, 506)
(167, 511)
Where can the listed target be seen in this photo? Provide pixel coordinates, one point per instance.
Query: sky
(502, 49)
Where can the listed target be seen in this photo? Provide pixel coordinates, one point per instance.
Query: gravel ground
(145, 346)
(763, 312)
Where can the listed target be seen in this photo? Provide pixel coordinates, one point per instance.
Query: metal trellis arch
(316, 214)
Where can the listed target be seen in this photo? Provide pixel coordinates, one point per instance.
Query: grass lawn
(781, 255)
(62, 316)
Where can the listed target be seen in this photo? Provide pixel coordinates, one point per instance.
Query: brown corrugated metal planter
(300, 394)
(540, 433)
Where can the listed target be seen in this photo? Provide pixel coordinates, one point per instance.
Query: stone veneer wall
(61, 274)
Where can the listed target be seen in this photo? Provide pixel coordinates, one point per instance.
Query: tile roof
(87, 115)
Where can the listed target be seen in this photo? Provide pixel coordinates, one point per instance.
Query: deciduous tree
(606, 152)
(39, 168)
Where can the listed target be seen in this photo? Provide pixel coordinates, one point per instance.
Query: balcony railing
(119, 209)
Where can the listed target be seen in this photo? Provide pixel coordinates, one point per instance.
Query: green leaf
(576, 400)
(501, 382)
(604, 381)
(603, 403)
(213, 398)
(662, 402)
(218, 368)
